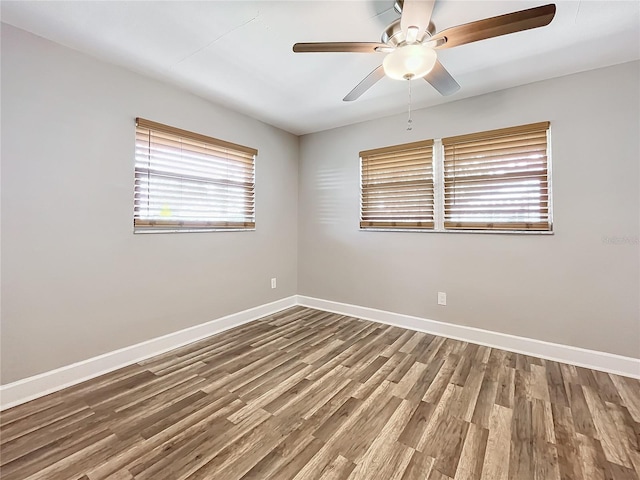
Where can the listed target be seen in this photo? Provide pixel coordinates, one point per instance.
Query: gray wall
(579, 286)
(76, 282)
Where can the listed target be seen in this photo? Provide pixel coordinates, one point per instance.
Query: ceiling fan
(411, 43)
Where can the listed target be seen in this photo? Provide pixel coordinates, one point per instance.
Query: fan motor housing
(394, 36)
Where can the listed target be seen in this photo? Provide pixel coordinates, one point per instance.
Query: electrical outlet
(442, 298)
(273, 283)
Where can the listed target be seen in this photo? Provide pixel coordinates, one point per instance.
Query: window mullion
(438, 185)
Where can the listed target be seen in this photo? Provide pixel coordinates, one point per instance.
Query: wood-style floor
(306, 394)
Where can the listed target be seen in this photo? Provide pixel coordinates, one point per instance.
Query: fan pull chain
(409, 121)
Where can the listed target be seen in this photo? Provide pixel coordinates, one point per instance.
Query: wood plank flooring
(306, 394)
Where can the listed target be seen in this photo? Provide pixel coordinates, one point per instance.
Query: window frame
(439, 195)
(145, 226)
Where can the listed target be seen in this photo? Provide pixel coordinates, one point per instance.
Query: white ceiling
(238, 53)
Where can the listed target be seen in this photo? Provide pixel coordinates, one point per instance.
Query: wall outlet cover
(442, 298)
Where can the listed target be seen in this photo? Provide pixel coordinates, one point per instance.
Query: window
(189, 182)
(497, 180)
(397, 186)
(488, 181)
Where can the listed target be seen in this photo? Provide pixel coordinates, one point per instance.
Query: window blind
(497, 180)
(397, 187)
(188, 181)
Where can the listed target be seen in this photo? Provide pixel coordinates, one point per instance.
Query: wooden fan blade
(497, 26)
(441, 80)
(416, 13)
(365, 84)
(327, 47)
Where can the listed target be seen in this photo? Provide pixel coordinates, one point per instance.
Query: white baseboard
(27, 389)
(606, 362)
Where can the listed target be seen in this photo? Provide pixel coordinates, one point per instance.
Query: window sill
(195, 230)
(499, 232)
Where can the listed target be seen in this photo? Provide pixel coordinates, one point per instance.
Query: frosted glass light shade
(409, 61)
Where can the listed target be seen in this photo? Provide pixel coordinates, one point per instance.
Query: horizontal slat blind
(497, 180)
(397, 187)
(187, 181)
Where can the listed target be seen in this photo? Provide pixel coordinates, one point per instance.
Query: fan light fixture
(409, 61)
